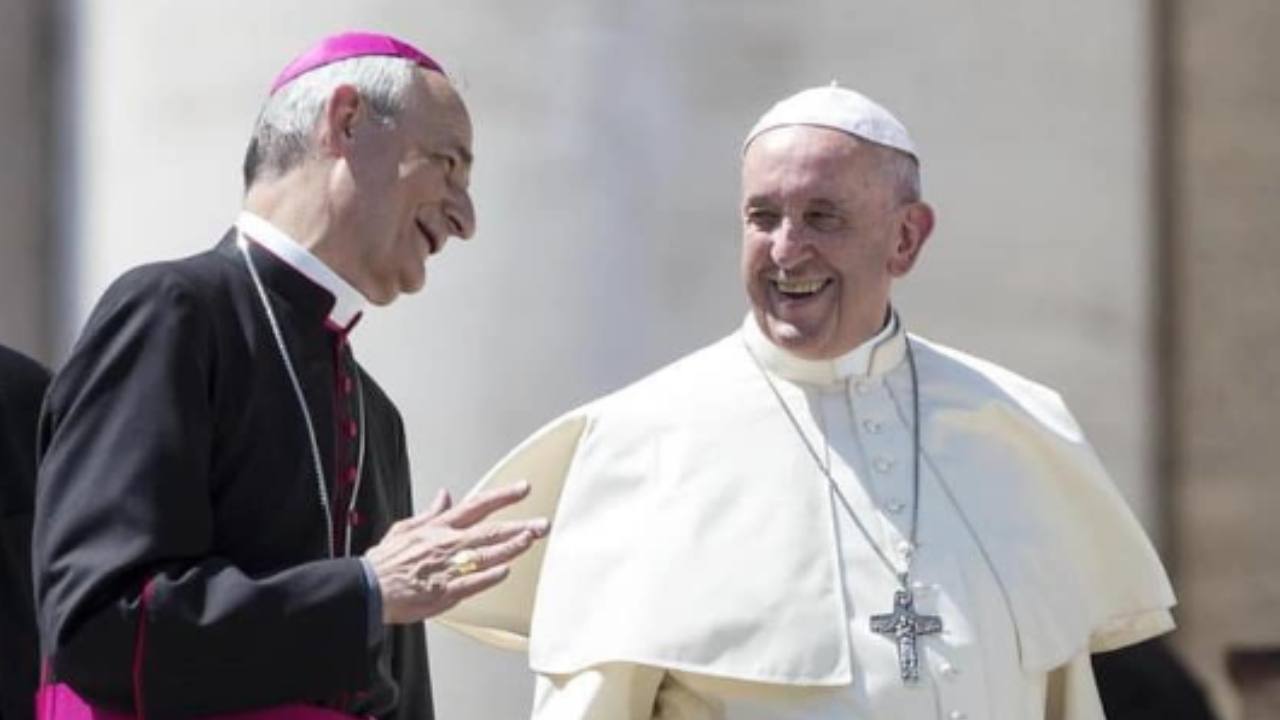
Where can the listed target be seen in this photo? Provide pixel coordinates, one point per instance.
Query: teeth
(799, 287)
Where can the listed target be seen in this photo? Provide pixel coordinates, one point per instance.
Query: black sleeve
(22, 384)
(1147, 681)
(135, 610)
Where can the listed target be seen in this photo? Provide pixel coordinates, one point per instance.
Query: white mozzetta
(694, 533)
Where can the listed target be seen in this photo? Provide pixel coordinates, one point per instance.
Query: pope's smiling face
(825, 232)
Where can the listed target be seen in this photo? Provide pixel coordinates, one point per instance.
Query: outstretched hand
(417, 563)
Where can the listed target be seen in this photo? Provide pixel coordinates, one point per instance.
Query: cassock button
(872, 426)
(882, 465)
(351, 428)
(351, 475)
(948, 670)
(354, 519)
(896, 506)
(347, 385)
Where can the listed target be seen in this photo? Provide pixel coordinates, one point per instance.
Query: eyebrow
(467, 158)
(450, 145)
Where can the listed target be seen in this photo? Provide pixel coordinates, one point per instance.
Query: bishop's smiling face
(824, 235)
(409, 189)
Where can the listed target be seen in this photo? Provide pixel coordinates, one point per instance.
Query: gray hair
(902, 172)
(282, 134)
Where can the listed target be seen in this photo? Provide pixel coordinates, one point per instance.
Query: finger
(470, 560)
(504, 552)
(477, 508)
(431, 566)
(496, 532)
(441, 502)
(465, 586)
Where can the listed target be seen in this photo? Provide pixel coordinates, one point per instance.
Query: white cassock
(700, 564)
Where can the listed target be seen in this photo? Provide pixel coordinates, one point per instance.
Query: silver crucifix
(904, 626)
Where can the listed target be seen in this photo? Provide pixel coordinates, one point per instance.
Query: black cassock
(22, 384)
(180, 546)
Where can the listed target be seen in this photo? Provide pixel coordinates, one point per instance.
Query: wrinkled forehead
(800, 161)
(435, 106)
(820, 149)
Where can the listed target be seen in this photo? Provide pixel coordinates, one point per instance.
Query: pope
(823, 515)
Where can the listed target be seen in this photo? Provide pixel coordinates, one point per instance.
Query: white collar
(874, 357)
(348, 303)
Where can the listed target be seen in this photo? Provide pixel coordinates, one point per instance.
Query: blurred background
(1106, 176)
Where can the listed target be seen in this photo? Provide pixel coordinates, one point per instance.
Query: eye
(823, 220)
(449, 161)
(762, 219)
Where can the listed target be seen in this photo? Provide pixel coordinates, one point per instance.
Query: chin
(381, 294)
(411, 283)
(787, 335)
(810, 343)
(414, 287)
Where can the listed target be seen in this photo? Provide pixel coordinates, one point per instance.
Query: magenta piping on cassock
(61, 702)
(140, 647)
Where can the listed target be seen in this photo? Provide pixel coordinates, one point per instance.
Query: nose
(789, 245)
(461, 214)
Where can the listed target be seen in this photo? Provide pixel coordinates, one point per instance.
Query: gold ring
(464, 562)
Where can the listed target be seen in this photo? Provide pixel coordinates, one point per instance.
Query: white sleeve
(1073, 694)
(613, 691)
(1130, 630)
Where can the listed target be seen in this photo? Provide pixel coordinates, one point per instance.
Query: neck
(872, 324)
(294, 204)
(299, 205)
(875, 356)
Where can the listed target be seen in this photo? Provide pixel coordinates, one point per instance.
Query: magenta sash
(60, 702)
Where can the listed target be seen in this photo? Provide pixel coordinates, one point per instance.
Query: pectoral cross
(904, 626)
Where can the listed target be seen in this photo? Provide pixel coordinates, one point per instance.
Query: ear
(343, 113)
(915, 223)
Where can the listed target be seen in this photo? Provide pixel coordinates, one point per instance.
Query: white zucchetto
(839, 109)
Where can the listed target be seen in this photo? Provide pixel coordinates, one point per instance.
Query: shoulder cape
(691, 530)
